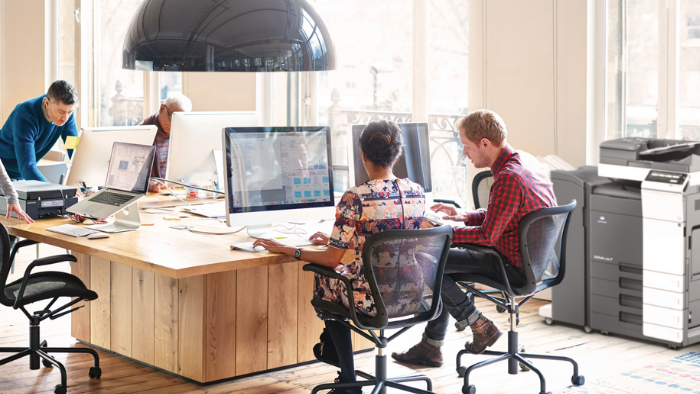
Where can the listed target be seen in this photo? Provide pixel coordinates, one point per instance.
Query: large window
(120, 91)
(650, 91)
(376, 42)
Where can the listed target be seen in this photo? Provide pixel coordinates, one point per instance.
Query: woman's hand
(319, 238)
(271, 245)
(20, 213)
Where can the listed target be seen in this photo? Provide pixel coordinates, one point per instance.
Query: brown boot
(421, 354)
(485, 334)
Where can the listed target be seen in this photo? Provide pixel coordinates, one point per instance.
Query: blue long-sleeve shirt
(27, 136)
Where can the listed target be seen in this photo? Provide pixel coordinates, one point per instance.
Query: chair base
(380, 382)
(38, 350)
(515, 359)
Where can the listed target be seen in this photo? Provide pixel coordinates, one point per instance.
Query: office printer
(641, 227)
(41, 199)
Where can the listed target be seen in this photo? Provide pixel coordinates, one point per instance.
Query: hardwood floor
(597, 355)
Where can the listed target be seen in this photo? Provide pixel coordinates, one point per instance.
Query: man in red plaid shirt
(515, 192)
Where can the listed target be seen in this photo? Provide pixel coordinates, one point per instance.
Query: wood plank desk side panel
(101, 308)
(143, 316)
(251, 320)
(121, 306)
(310, 326)
(80, 319)
(283, 316)
(166, 323)
(220, 352)
(191, 340)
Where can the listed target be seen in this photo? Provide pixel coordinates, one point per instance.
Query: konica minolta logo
(602, 219)
(595, 256)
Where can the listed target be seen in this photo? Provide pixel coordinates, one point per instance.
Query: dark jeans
(455, 301)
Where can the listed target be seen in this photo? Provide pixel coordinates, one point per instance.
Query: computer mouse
(98, 236)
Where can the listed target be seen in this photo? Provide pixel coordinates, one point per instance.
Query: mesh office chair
(37, 287)
(481, 185)
(542, 240)
(404, 269)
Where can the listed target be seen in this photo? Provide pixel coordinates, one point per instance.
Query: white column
(669, 60)
(420, 60)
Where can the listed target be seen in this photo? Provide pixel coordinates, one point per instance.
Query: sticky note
(72, 142)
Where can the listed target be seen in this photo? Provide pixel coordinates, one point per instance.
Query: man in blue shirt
(33, 128)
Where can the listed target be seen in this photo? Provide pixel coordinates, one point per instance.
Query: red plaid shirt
(515, 192)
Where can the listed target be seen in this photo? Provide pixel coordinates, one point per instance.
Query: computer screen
(277, 168)
(130, 167)
(414, 164)
(194, 136)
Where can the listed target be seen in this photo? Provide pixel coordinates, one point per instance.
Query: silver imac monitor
(277, 175)
(90, 160)
(194, 136)
(414, 164)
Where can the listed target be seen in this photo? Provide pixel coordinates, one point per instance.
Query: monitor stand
(124, 220)
(260, 230)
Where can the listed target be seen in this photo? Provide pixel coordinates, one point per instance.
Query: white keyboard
(287, 241)
(74, 231)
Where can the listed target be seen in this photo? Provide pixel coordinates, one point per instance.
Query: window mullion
(420, 60)
(669, 61)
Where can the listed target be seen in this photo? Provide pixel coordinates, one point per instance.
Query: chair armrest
(447, 201)
(492, 251)
(331, 273)
(21, 244)
(36, 263)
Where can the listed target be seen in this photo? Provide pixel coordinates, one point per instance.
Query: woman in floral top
(382, 203)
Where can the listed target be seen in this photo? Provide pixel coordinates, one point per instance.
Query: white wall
(529, 63)
(24, 52)
(222, 91)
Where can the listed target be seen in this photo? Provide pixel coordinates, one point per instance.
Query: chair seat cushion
(47, 285)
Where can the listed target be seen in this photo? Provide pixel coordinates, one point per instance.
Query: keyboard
(73, 231)
(110, 198)
(287, 241)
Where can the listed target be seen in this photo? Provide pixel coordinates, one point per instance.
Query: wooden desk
(185, 303)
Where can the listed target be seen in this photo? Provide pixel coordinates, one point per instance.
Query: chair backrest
(542, 237)
(5, 264)
(481, 185)
(404, 270)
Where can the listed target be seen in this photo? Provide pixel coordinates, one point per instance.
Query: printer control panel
(673, 178)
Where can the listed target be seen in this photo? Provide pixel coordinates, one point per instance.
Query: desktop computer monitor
(277, 174)
(414, 164)
(90, 160)
(194, 138)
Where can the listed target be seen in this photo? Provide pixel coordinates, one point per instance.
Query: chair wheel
(578, 380)
(59, 389)
(469, 390)
(460, 328)
(461, 371)
(548, 321)
(500, 309)
(95, 373)
(46, 363)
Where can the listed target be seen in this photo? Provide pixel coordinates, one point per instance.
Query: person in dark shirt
(516, 191)
(33, 128)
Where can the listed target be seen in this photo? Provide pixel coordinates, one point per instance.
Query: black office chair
(406, 292)
(481, 184)
(37, 287)
(542, 238)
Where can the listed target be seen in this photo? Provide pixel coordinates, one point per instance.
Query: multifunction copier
(633, 245)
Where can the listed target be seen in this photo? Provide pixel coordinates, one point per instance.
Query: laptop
(127, 181)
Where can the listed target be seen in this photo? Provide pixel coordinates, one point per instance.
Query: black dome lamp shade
(228, 35)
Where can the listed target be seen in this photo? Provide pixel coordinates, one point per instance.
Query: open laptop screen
(130, 167)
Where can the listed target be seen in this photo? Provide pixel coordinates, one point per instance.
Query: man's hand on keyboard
(319, 238)
(273, 246)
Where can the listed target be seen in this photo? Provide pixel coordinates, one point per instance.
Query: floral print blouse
(374, 206)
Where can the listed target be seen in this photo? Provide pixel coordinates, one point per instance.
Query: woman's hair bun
(381, 142)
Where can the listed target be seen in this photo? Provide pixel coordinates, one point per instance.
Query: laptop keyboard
(110, 198)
